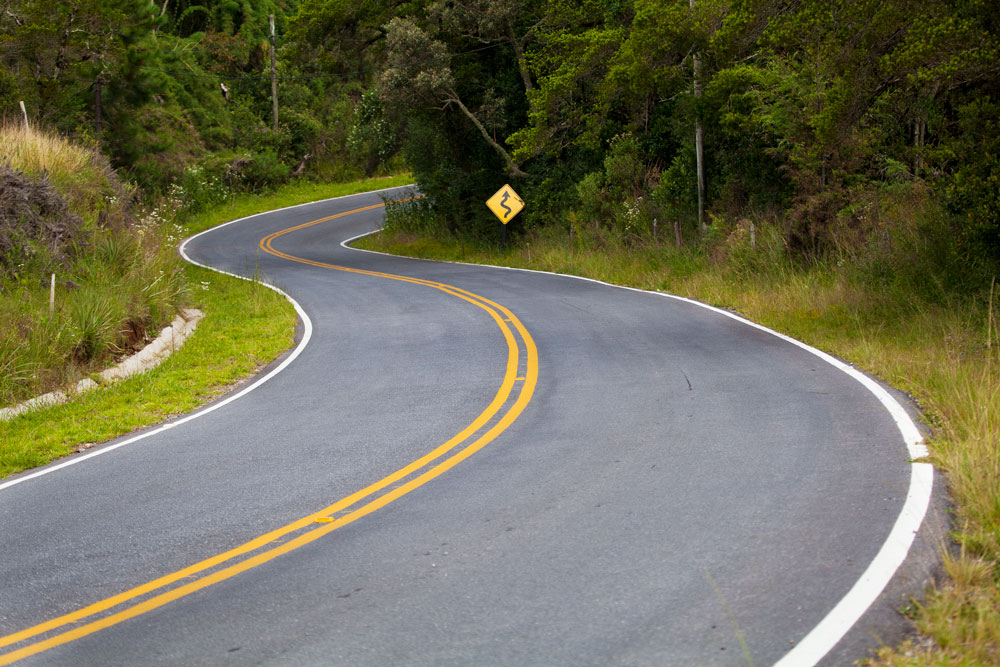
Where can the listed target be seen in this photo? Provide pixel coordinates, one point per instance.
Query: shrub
(416, 216)
(591, 195)
(260, 171)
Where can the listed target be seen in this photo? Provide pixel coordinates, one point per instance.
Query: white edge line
(306, 336)
(821, 639)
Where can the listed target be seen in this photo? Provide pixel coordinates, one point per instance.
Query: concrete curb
(171, 338)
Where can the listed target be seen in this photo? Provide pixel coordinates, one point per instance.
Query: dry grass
(78, 173)
(38, 152)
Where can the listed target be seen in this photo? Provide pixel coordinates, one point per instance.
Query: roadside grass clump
(230, 343)
(106, 305)
(901, 308)
(94, 317)
(83, 280)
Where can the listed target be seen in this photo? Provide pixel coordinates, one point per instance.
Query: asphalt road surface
(464, 465)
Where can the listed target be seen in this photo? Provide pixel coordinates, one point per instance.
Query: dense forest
(680, 120)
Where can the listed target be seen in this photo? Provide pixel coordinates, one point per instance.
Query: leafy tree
(418, 74)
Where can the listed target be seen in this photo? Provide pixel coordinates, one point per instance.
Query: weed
(15, 371)
(94, 317)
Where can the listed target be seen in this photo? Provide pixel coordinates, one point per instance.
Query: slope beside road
(467, 465)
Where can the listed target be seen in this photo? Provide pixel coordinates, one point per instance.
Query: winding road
(463, 465)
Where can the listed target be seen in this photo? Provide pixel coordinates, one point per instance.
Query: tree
(418, 74)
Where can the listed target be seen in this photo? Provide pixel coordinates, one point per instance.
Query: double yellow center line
(512, 397)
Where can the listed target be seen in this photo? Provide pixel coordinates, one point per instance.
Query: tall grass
(117, 282)
(37, 152)
(79, 173)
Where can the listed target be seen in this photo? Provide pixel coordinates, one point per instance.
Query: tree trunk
(98, 118)
(512, 167)
(819, 110)
(918, 145)
(522, 64)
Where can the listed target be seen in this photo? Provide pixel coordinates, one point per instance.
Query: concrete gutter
(171, 338)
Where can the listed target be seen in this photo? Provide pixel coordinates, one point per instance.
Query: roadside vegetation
(246, 326)
(64, 213)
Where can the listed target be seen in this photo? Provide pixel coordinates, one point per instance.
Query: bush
(591, 196)
(917, 246)
(263, 171)
(199, 188)
(416, 216)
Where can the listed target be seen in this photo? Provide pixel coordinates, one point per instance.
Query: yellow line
(326, 527)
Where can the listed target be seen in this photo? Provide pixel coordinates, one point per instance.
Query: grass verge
(944, 354)
(246, 326)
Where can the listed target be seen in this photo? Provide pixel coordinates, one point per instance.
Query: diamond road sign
(505, 204)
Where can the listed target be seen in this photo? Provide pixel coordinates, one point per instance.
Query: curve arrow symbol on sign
(503, 204)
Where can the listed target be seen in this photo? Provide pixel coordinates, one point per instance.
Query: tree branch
(14, 16)
(512, 167)
(522, 64)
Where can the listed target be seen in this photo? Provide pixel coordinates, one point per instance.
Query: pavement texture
(681, 488)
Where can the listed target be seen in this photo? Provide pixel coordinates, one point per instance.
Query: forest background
(760, 141)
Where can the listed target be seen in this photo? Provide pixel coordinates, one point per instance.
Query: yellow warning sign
(505, 204)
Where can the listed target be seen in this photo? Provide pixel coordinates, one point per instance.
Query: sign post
(505, 204)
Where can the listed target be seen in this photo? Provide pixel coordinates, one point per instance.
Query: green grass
(231, 342)
(943, 352)
(245, 327)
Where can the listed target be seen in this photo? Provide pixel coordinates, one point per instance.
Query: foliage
(808, 109)
(65, 216)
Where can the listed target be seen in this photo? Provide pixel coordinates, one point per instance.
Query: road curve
(473, 466)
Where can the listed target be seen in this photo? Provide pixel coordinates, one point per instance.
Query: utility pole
(274, 76)
(98, 111)
(698, 147)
